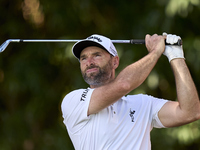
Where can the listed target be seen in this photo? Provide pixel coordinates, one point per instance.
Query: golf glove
(173, 51)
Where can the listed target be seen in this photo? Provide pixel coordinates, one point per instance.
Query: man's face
(96, 66)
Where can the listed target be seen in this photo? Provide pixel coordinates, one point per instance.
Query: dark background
(34, 77)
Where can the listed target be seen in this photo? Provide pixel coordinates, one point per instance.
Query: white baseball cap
(94, 40)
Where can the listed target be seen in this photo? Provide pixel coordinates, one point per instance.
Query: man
(103, 118)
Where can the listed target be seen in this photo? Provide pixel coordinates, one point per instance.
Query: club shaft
(132, 41)
(6, 43)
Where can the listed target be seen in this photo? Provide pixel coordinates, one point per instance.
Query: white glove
(173, 51)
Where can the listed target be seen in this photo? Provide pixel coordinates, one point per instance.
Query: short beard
(100, 78)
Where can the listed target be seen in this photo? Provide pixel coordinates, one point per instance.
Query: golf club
(132, 41)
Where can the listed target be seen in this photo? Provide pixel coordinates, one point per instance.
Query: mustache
(91, 66)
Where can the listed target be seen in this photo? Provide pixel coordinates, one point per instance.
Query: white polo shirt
(125, 125)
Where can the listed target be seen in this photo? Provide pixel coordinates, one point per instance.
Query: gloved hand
(173, 51)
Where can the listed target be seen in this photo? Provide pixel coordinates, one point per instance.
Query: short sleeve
(157, 104)
(74, 109)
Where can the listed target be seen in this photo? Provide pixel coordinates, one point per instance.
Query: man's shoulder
(75, 94)
(78, 93)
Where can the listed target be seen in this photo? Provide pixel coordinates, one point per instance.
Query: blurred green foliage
(34, 77)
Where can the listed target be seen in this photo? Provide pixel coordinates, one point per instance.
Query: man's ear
(115, 62)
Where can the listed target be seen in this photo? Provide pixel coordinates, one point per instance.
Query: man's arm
(129, 78)
(187, 109)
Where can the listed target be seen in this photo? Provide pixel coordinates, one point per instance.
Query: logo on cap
(95, 38)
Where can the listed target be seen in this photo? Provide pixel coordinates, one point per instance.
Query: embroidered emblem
(131, 115)
(95, 38)
(83, 96)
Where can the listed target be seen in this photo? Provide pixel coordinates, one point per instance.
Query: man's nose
(90, 61)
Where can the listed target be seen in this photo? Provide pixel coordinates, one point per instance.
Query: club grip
(179, 43)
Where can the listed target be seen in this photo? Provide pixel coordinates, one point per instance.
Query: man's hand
(155, 43)
(173, 51)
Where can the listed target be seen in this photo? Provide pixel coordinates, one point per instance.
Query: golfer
(104, 117)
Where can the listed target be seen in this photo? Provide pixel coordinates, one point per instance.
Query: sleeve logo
(83, 96)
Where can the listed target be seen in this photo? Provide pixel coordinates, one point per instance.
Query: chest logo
(131, 113)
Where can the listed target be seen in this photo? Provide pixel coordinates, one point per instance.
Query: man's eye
(83, 58)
